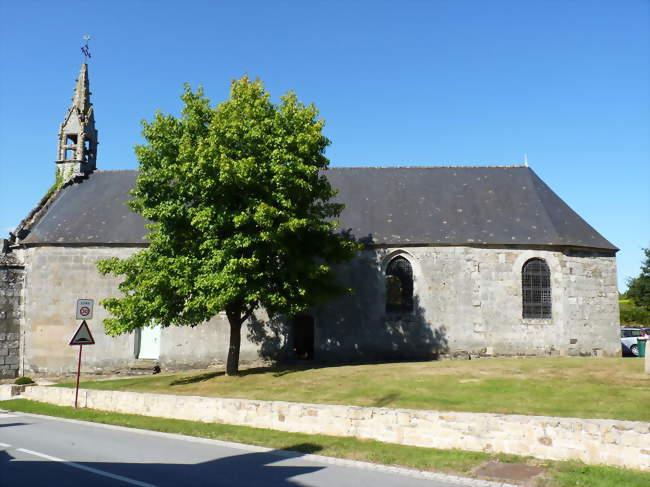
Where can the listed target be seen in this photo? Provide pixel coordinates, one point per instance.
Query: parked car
(629, 340)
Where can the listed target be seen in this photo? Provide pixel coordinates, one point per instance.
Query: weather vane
(85, 49)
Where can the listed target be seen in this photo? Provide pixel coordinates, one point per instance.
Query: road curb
(408, 472)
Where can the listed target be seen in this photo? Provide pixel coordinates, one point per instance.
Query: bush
(633, 315)
(23, 380)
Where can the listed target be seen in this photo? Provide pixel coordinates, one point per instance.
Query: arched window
(399, 285)
(536, 289)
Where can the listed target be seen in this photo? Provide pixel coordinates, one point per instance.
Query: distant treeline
(633, 315)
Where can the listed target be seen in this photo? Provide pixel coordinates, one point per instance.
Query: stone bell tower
(77, 136)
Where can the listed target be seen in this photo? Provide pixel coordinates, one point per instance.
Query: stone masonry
(469, 299)
(58, 276)
(11, 287)
(468, 302)
(594, 441)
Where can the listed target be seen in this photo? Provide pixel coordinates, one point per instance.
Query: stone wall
(595, 441)
(11, 287)
(58, 276)
(468, 300)
(55, 278)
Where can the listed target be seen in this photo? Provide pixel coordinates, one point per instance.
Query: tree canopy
(638, 288)
(241, 215)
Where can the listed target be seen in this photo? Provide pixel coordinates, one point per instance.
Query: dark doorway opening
(303, 337)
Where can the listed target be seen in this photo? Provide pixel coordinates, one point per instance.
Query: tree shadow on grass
(386, 400)
(194, 379)
(277, 370)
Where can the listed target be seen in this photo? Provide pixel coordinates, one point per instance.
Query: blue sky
(455, 82)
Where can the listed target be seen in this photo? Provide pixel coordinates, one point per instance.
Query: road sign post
(81, 337)
(76, 391)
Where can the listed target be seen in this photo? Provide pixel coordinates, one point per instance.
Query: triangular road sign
(82, 336)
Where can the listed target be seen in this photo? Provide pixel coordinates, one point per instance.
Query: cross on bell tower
(77, 154)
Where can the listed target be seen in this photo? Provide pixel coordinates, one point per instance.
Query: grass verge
(558, 474)
(608, 388)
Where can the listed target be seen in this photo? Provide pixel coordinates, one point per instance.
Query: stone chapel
(459, 261)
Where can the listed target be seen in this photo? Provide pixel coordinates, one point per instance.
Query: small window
(87, 152)
(536, 289)
(399, 286)
(71, 139)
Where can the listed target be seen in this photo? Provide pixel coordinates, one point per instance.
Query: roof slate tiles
(383, 205)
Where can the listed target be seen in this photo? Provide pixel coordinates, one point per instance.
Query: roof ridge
(503, 166)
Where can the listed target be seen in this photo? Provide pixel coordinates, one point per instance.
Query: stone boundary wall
(9, 391)
(594, 441)
(11, 289)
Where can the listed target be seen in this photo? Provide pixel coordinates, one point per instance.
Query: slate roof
(92, 211)
(385, 205)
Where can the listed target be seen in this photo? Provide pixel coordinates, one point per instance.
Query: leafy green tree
(633, 315)
(241, 216)
(638, 288)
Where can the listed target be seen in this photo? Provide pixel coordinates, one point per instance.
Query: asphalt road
(40, 451)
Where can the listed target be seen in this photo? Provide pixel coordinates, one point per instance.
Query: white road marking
(5, 445)
(87, 469)
(7, 415)
(420, 474)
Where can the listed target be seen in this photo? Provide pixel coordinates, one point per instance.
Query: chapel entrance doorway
(303, 337)
(148, 342)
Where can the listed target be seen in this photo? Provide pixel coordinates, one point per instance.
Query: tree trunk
(232, 363)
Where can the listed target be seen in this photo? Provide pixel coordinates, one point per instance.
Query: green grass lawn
(614, 388)
(557, 474)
